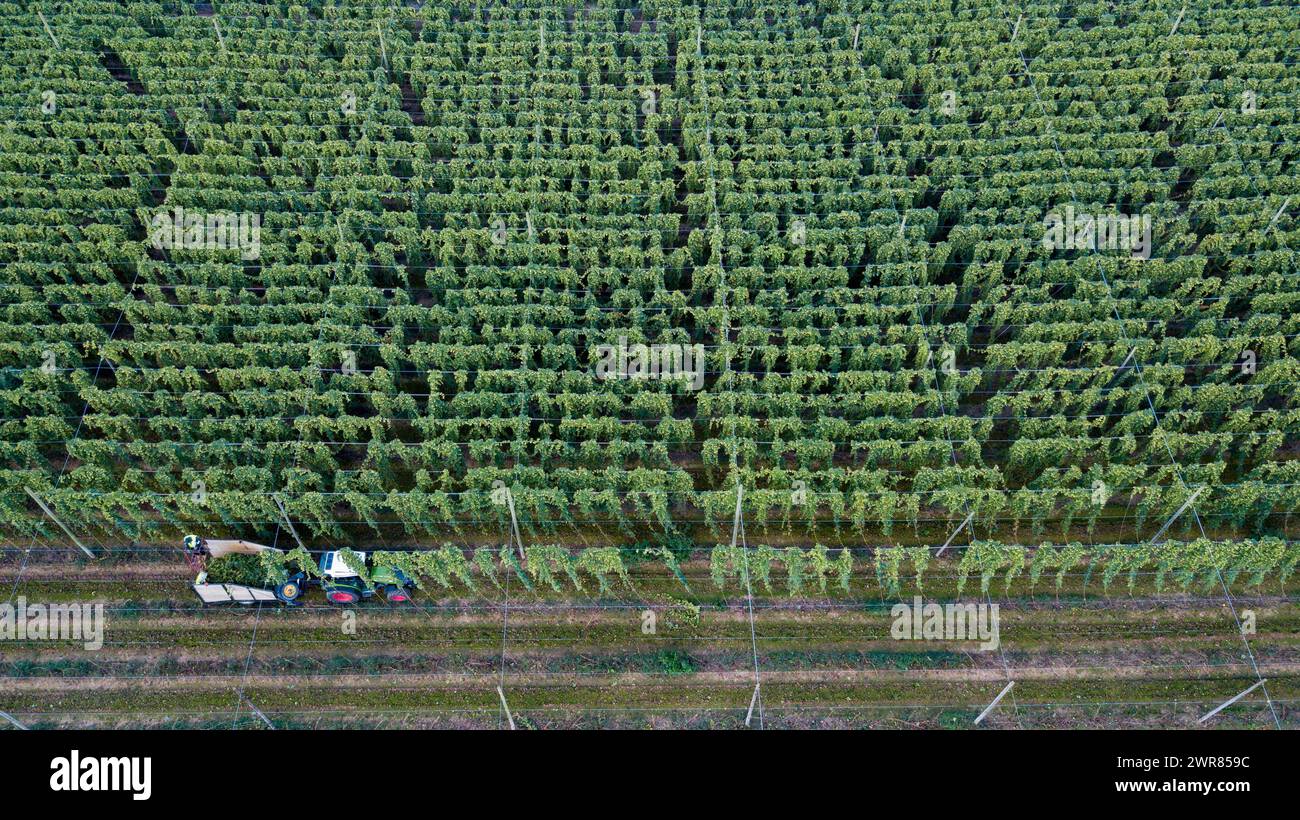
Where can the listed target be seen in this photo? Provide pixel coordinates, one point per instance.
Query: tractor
(342, 584)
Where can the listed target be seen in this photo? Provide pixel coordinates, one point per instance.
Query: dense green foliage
(459, 201)
(236, 569)
(1198, 563)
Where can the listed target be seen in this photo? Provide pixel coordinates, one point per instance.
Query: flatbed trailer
(233, 594)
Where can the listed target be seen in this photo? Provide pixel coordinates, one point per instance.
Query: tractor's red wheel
(398, 595)
(342, 596)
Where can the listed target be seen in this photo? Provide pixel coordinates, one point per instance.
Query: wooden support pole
(1127, 359)
(258, 712)
(1216, 710)
(285, 515)
(1001, 695)
(514, 525)
(960, 527)
(1156, 538)
(509, 717)
(55, 519)
(12, 720)
(752, 701)
(48, 30)
(1278, 215)
(735, 523)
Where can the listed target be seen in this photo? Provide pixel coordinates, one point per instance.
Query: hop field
(667, 345)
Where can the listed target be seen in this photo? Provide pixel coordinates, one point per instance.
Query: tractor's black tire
(342, 594)
(396, 594)
(289, 591)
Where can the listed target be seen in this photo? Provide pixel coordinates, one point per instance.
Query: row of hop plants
(1197, 564)
(450, 567)
(1245, 504)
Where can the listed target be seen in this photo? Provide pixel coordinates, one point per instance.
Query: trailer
(341, 583)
